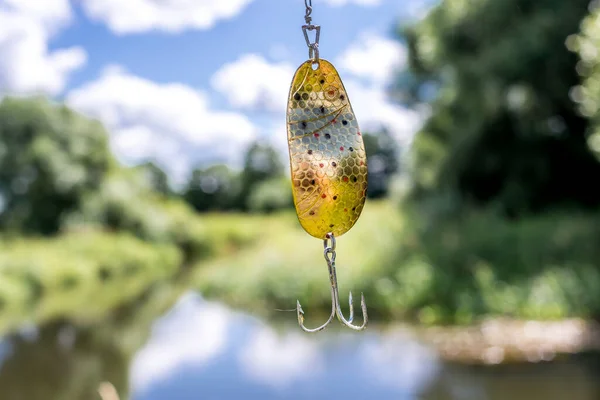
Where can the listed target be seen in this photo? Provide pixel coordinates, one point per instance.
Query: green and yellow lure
(327, 154)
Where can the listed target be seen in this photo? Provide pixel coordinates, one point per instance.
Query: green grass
(453, 271)
(285, 263)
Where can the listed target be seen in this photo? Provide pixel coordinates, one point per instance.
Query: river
(205, 350)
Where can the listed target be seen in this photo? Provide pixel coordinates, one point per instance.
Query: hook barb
(336, 310)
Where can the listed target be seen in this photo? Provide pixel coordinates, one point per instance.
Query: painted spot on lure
(327, 154)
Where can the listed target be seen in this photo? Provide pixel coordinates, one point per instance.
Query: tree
(382, 162)
(50, 157)
(213, 188)
(260, 186)
(587, 46)
(271, 195)
(503, 130)
(157, 178)
(261, 163)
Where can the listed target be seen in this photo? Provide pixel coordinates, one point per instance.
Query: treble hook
(336, 310)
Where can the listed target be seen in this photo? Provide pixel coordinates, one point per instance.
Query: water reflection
(58, 362)
(189, 335)
(205, 350)
(562, 380)
(251, 360)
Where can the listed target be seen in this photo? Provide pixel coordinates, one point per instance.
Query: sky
(188, 83)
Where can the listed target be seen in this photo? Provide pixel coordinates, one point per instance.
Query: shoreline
(503, 341)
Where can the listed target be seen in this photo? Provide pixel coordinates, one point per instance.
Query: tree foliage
(271, 195)
(214, 188)
(261, 163)
(382, 162)
(503, 130)
(50, 157)
(57, 175)
(258, 187)
(157, 178)
(587, 46)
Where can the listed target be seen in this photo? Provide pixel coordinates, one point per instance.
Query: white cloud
(396, 356)
(374, 58)
(189, 334)
(372, 108)
(50, 13)
(278, 360)
(27, 66)
(367, 67)
(359, 2)
(252, 82)
(277, 134)
(173, 16)
(170, 123)
(374, 111)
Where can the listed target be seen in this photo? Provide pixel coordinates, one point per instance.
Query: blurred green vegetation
(76, 225)
(587, 94)
(50, 157)
(42, 279)
(503, 131)
(542, 267)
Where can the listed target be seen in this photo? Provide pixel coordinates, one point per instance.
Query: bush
(126, 202)
(80, 276)
(541, 267)
(271, 195)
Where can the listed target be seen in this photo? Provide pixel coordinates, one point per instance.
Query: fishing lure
(327, 161)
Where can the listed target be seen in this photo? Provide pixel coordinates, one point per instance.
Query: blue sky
(191, 82)
(262, 27)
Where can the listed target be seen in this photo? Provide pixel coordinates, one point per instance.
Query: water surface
(205, 350)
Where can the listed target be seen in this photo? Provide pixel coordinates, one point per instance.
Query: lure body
(327, 155)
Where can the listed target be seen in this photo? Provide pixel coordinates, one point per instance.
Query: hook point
(299, 308)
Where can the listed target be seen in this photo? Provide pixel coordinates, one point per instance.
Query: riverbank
(470, 288)
(509, 341)
(458, 274)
